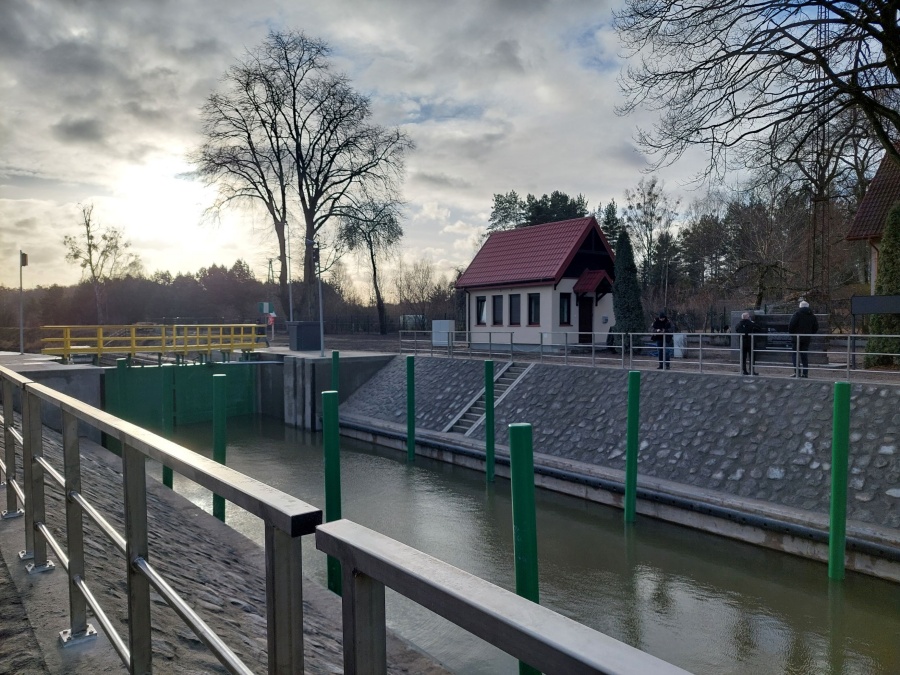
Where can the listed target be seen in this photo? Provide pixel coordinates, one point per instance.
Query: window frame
(565, 303)
(496, 317)
(517, 321)
(480, 310)
(534, 303)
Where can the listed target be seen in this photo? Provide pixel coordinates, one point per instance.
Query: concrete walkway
(218, 572)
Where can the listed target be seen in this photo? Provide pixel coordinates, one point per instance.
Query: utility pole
(23, 262)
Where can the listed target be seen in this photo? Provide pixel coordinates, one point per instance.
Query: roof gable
(528, 255)
(882, 194)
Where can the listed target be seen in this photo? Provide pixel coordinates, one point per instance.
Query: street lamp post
(318, 266)
(290, 284)
(23, 262)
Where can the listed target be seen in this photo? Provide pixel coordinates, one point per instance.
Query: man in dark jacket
(745, 328)
(803, 324)
(662, 330)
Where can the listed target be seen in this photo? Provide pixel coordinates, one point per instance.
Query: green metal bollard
(331, 438)
(119, 405)
(521, 468)
(167, 378)
(335, 370)
(840, 450)
(489, 420)
(219, 415)
(410, 408)
(631, 446)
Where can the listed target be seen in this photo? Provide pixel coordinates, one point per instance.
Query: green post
(521, 469)
(219, 414)
(631, 444)
(167, 378)
(489, 420)
(119, 406)
(840, 447)
(335, 370)
(410, 408)
(331, 434)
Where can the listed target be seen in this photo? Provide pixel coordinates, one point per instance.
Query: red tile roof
(590, 280)
(882, 194)
(527, 254)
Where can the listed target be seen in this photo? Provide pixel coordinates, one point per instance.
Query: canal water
(704, 603)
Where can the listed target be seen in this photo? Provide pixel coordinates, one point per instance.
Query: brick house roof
(529, 255)
(882, 194)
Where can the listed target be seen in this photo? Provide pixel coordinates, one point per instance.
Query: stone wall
(761, 438)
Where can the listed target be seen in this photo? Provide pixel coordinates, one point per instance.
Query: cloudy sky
(99, 104)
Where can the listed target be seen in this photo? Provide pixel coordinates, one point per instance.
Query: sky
(100, 99)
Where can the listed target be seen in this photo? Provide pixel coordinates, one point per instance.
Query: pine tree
(627, 306)
(883, 351)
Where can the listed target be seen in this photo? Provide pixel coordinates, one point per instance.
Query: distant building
(545, 279)
(871, 216)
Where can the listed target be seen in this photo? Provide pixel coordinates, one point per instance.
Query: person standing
(662, 330)
(802, 324)
(746, 328)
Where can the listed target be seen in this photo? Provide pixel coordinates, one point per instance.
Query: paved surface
(219, 572)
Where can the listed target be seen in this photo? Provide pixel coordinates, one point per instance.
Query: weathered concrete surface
(218, 572)
(759, 438)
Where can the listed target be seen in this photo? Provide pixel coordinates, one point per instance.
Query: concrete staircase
(473, 414)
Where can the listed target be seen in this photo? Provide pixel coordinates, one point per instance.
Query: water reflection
(704, 603)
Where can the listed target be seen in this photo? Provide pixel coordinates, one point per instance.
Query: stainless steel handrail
(285, 518)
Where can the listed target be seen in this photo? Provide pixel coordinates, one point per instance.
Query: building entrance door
(585, 319)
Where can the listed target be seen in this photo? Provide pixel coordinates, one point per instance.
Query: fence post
(12, 505)
(631, 447)
(219, 386)
(134, 476)
(331, 441)
(167, 378)
(840, 442)
(410, 408)
(521, 468)
(566, 348)
(284, 601)
(489, 420)
(335, 370)
(32, 449)
(79, 629)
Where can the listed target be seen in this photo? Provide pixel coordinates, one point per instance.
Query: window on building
(534, 309)
(497, 314)
(565, 309)
(481, 310)
(515, 310)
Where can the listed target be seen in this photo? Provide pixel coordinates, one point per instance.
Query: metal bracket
(26, 555)
(31, 568)
(67, 639)
(6, 515)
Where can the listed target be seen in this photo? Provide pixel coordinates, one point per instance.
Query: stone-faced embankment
(756, 438)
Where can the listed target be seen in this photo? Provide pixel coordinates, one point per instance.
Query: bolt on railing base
(68, 639)
(26, 555)
(31, 568)
(6, 515)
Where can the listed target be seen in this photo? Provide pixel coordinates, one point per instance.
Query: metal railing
(838, 355)
(69, 341)
(285, 519)
(534, 634)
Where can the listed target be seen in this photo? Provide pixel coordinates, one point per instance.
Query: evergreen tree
(610, 222)
(627, 306)
(887, 283)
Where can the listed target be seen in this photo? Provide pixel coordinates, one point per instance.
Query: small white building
(545, 284)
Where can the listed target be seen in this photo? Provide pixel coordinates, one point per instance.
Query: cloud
(83, 130)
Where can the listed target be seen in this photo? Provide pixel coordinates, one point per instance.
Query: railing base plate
(6, 515)
(31, 568)
(67, 638)
(26, 555)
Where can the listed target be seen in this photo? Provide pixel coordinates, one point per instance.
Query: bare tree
(728, 71)
(102, 253)
(294, 136)
(649, 212)
(372, 229)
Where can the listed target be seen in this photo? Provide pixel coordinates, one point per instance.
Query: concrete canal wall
(760, 439)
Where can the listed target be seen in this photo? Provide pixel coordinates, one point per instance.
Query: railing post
(284, 602)
(220, 412)
(630, 350)
(134, 476)
(365, 638)
(490, 344)
(566, 348)
(32, 449)
(79, 628)
(840, 443)
(410, 408)
(335, 370)
(631, 447)
(542, 347)
(700, 349)
(331, 442)
(9, 443)
(167, 378)
(521, 469)
(593, 349)
(489, 420)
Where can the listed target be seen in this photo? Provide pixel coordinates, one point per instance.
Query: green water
(704, 603)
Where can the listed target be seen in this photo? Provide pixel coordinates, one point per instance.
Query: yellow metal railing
(68, 341)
